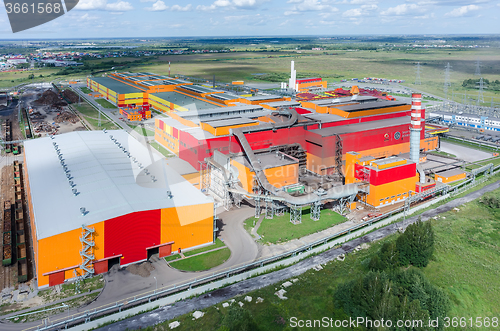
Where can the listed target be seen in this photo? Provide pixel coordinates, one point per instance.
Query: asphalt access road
(465, 153)
(163, 314)
(121, 284)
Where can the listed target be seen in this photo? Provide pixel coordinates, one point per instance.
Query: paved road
(121, 284)
(163, 314)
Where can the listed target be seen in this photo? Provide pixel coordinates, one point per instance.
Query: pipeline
(333, 193)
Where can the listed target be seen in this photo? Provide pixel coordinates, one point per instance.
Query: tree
(416, 244)
(386, 258)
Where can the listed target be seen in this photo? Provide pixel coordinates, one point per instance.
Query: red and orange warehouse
(110, 202)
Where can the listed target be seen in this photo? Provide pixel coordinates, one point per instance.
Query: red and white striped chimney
(415, 126)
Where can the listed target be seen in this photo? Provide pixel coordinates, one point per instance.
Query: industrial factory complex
(114, 202)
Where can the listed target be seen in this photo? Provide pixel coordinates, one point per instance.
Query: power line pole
(478, 68)
(418, 70)
(480, 95)
(447, 80)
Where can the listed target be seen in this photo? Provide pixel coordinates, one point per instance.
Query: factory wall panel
(31, 217)
(392, 174)
(283, 176)
(131, 234)
(244, 175)
(392, 192)
(187, 226)
(52, 257)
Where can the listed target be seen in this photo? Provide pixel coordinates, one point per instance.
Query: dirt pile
(66, 116)
(144, 269)
(71, 96)
(50, 98)
(44, 127)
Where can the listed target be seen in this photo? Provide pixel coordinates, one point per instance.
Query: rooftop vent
(75, 192)
(84, 211)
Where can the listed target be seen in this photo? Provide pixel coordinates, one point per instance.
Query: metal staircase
(87, 251)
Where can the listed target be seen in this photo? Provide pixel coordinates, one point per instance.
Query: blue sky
(174, 18)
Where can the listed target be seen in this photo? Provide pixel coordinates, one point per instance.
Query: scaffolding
(257, 207)
(279, 208)
(269, 207)
(316, 211)
(205, 176)
(295, 214)
(87, 251)
(339, 147)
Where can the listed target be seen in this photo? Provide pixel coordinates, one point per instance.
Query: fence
(257, 266)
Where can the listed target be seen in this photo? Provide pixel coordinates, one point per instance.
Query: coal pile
(50, 98)
(71, 96)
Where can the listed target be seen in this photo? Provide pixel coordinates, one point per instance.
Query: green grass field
(105, 103)
(202, 262)
(442, 153)
(218, 243)
(143, 131)
(161, 149)
(86, 90)
(341, 64)
(91, 115)
(466, 265)
(280, 229)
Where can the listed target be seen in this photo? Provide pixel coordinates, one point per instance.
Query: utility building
(101, 198)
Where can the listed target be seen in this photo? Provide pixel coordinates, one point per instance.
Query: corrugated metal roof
(229, 122)
(108, 182)
(326, 132)
(371, 105)
(114, 85)
(264, 97)
(283, 104)
(185, 101)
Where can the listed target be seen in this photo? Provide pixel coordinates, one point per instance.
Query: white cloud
(179, 8)
(462, 11)
(361, 11)
(301, 6)
(87, 17)
(157, 6)
(235, 4)
(119, 6)
(104, 5)
(400, 10)
(91, 4)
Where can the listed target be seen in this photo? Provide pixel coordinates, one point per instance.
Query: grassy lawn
(279, 229)
(143, 131)
(105, 103)
(86, 90)
(442, 153)
(203, 261)
(91, 115)
(161, 149)
(466, 264)
(218, 243)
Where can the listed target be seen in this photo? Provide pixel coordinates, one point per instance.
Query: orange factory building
(111, 203)
(165, 93)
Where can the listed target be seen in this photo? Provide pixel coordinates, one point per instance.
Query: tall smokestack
(293, 77)
(415, 127)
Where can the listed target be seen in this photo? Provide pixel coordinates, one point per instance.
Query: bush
(491, 200)
(238, 319)
(416, 244)
(398, 295)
